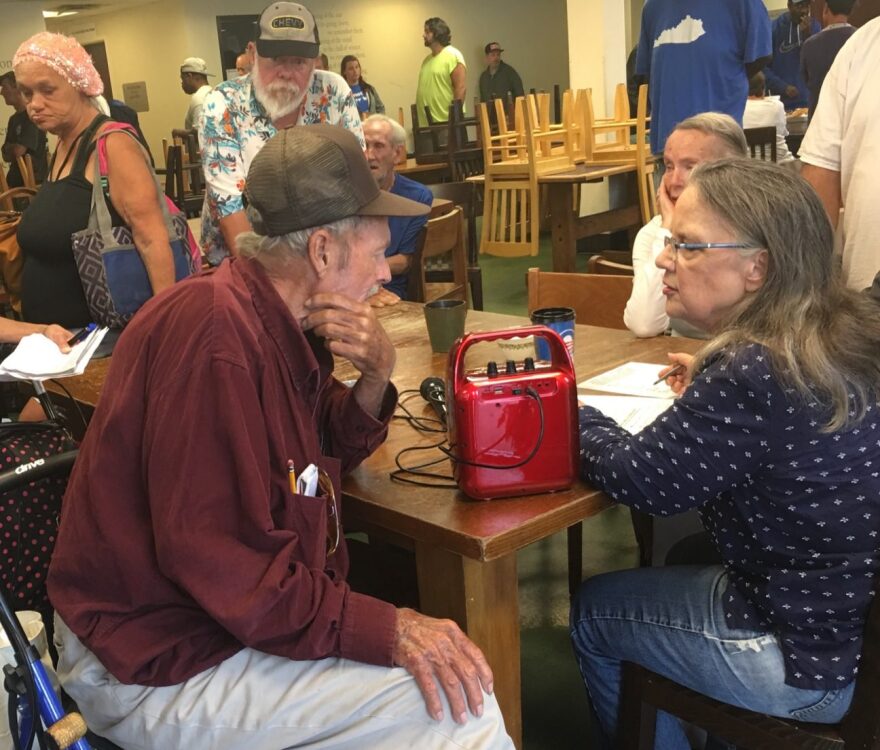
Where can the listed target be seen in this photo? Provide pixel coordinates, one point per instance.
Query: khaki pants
(256, 701)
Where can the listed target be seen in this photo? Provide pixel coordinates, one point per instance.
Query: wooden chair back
(443, 235)
(465, 196)
(427, 147)
(4, 186)
(174, 188)
(598, 300)
(645, 162)
(26, 169)
(9, 195)
(762, 142)
(464, 153)
(598, 264)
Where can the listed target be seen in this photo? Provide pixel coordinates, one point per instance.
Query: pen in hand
(81, 334)
(674, 371)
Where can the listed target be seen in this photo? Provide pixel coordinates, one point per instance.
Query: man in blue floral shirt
(239, 116)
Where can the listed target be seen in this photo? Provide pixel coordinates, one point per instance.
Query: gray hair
(398, 134)
(822, 337)
(723, 127)
(276, 253)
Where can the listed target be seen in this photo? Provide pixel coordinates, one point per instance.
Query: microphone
(433, 390)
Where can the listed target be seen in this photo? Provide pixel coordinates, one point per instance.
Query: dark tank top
(51, 291)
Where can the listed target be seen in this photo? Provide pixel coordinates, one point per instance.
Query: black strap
(87, 145)
(66, 158)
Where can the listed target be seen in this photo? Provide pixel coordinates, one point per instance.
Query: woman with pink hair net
(62, 92)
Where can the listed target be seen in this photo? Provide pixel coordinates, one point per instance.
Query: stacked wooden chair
(514, 158)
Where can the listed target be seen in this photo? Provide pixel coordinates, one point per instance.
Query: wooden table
(567, 226)
(797, 129)
(465, 550)
(566, 223)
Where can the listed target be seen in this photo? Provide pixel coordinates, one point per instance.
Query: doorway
(99, 57)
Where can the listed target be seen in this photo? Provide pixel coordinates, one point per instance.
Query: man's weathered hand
(351, 330)
(437, 652)
(383, 298)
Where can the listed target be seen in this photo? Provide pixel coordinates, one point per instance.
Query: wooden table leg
(482, 598)
(562, 226)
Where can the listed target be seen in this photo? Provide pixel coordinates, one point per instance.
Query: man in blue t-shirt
(790, 31)
(698, 57)
(386, 139)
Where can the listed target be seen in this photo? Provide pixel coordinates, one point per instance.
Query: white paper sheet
(38, 358)
(633, 413)
(631, 379)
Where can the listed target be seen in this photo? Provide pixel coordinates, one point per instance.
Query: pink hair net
(65, 56)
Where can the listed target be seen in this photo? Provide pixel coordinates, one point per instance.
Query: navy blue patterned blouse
(794, 512)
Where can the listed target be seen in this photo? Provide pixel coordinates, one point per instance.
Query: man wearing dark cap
(499, 80)
(282, 90)
(200, 589)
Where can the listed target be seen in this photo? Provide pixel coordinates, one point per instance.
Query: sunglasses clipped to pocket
(315, 482)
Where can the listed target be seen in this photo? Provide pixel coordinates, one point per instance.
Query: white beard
(279, 98)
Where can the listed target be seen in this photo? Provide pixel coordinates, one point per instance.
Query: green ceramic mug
(445, 319)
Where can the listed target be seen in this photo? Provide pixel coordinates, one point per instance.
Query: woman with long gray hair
(773, 439)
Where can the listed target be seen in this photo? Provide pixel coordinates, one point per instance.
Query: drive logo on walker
(29, 465)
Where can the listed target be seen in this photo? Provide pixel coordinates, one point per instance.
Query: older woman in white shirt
(702, 138)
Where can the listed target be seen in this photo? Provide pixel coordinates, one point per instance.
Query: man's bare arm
(231, 226)
(459, 82)
(826, 182)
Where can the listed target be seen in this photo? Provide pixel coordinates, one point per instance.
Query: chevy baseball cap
(492, 47)
(195, 65)
(311, 175)
(288, 29)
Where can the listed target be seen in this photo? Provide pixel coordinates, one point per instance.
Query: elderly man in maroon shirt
(201, 601)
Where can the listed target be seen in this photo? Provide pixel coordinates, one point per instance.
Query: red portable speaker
(513, 429)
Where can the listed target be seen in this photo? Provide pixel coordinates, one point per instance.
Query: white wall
(597, 42)
(385, 34)
(144, 43)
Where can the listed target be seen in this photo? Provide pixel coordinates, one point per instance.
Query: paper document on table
(38, 358)
(631, 379)
(633, 413)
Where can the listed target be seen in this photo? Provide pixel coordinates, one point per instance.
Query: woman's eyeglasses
(674, 246)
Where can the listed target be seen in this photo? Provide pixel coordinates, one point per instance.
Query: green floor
(554, 700)
(504, 279)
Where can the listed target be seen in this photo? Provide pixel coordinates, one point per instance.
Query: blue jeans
(671, 621)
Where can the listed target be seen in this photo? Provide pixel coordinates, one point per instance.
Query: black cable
(79, 411)
(421, 424)
(400, 474)
(532, 393)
